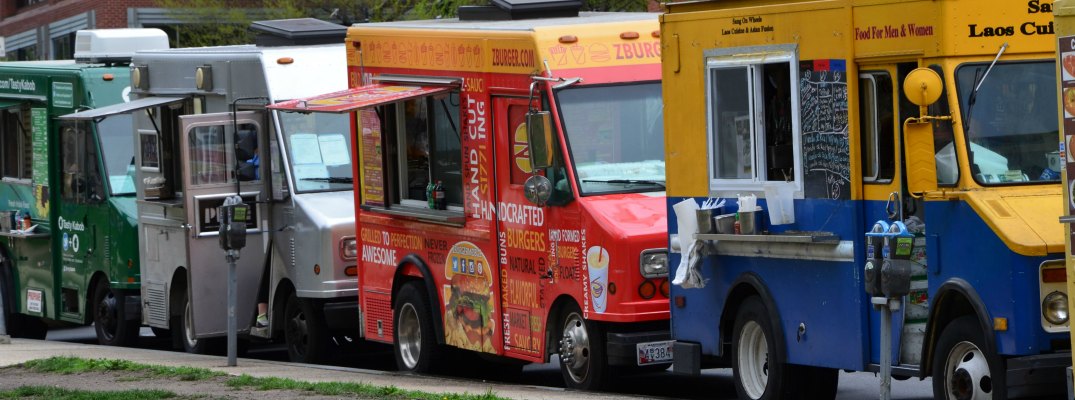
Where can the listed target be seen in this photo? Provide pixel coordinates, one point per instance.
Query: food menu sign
(1067, 92)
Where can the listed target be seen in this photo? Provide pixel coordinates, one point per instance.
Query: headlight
(348, 248)
(654, 263)
(1055, 308)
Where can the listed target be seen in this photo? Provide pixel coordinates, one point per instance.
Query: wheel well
(284, 289)
(731, 305)
(406, 270)
(90, 289)
(556, 312)
(179, 283)
(953, 300)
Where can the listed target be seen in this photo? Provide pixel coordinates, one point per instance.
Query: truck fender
(955, 298)
(431, 290)
(744, 286)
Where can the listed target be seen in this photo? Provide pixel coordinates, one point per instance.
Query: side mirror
(923, 87)
(920, 158)
(539, 136)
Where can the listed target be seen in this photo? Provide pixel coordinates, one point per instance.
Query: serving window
(16, 158)
(423, 147)
(753, 122)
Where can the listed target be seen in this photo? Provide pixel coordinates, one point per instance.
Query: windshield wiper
(978, 81)
(627, 181)
(332, 179)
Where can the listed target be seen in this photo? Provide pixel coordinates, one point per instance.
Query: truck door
(83, 217)
(217, 155)
(522, 234)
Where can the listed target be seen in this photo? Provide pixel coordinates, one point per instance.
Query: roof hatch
(116, 45)
(297, 32)
(521, 9)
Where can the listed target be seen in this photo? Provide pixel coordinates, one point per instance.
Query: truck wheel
(582, 351)
(304, 331)
(191, 344)
(415, 346)
(757, 364)
(961, 367)
(113, 329)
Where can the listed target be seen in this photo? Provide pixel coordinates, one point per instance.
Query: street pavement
(22, 350)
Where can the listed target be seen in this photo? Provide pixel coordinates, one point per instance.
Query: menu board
(39, 127)
(826, 153)
(370, 152)
(1067, 95)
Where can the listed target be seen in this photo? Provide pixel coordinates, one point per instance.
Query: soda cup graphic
(597, 264)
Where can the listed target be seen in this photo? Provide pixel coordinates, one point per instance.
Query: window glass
(208, 159)
(319, 150)
(615, 135)
(115, 133)
(876, 126)
(423, 148)
(1011, 125)
(13, 136)
(752, 121)
(81, 173)
(63, 47)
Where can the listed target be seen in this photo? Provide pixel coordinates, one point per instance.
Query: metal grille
(156, 305)
(378, 309)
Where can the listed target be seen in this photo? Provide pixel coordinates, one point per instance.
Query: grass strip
(352, 388)
(51, 392)
(74, 365)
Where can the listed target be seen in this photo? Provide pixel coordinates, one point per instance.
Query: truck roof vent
(116, 45)
(502, 10)
(297, 32)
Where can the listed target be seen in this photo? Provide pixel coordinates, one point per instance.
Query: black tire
(817, 382)
(108, 317)
(759, 372)
(583, 363)
(414, 345)
(161, 332)
(185, 332)
(305, 332)
(963, 366)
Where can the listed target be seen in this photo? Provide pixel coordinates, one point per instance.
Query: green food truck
(68, 233)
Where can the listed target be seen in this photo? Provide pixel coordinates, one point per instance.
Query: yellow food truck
(904, 155)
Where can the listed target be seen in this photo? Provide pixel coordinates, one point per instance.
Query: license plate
(654, 352)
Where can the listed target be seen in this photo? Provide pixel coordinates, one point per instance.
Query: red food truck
(477, 233)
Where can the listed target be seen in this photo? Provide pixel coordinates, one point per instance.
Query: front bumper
(1038, 375)
(342, 314)
(622, 347)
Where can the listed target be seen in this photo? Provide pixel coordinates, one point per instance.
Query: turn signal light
(569, 39)
(664, 288)
(1054, 275)
(317, 269)
(108, 77)
(629, 35)
(351, 271)
(611, 288)
(285, 60)
(656, 34)
(647, 290)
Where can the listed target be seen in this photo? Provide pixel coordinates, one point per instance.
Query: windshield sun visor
(122, 108)
(359, 97)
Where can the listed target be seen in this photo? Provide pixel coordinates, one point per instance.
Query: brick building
(45, 29)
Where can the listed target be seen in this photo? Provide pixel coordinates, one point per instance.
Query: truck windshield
(1012, 125)
(318, 148)
(117, 148)
(616, 136)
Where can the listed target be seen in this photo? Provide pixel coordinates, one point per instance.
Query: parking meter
(872, 272)
(232, 216)
(896, 266)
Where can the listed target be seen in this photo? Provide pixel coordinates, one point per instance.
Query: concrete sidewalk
(22, 350)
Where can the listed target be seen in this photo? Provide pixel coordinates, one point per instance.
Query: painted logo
(521, 149)
(597, 264)
(468, 299)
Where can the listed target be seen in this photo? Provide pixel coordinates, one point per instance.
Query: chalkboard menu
(823, 105)
(39, 125)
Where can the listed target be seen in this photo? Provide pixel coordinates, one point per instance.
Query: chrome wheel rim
(753, 362)
(966, 373)
(188, 326)
(410, 336)
(575, 348)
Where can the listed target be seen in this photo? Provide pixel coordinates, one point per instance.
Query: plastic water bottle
(429, 195)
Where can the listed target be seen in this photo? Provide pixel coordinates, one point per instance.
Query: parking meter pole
(4, 338)
(886, 346)
(232, 299)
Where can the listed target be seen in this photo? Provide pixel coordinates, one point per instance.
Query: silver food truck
(202, 134)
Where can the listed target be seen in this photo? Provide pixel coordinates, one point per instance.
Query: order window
(16, 156)
(753, 119)
(82, 180)
(423, 146)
